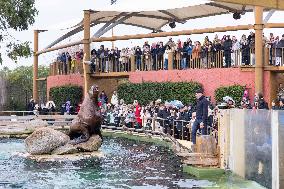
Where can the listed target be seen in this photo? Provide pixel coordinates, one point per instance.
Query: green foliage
(17, 15)
(146, 92)
(16, 50)
(70, 92)
(20, 84)
(234, 91)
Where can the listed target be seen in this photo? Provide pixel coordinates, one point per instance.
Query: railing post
(258, 27)
(87, 51)
(54, 68)
(154, 123)
(266, 56)
(132, 60)
(182, 130)
(171, 61)
(50, 69)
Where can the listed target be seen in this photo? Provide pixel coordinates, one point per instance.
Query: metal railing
(276, 56)
(149, 62)
(177, 128)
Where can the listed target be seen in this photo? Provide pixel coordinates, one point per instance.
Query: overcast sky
(57, 15)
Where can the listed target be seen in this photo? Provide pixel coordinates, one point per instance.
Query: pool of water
(126, 164)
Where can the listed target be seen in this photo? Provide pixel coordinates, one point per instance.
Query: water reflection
(127, 164)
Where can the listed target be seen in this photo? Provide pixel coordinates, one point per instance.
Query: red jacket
(137, 114)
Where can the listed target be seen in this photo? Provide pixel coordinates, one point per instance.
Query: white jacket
(114, 99)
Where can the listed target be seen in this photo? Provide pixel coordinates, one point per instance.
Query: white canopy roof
(155, 20)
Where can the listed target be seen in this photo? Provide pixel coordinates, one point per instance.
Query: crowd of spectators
(223, 52)
(174, 118)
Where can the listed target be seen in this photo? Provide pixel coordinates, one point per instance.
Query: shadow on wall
(109, 85)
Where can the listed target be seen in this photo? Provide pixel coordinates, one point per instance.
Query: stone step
(199, 161)
(186, 154)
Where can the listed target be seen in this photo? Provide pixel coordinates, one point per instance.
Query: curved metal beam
(70, 33)
(268, 16)
(111, 24)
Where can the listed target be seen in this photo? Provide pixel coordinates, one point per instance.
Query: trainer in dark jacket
(201, 115)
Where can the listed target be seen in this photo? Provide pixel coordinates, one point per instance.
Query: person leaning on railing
(101, 56)
(235, 51)
(185, 55)
(160, 54)
(280, 52)
(154, 56)
(138, 55)
(227, 51)
(147, 58)
(93, 61)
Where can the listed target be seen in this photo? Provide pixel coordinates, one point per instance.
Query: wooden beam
(274, 4)
(87, 51)
(174, 33)
(35, 67)
(259, 66)
(60, 47)
(111, 74)
(274, 25)
(163, 34)
(41, 79)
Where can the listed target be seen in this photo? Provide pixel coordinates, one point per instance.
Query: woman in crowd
(227, 51)
(166, 56)
(138, 56)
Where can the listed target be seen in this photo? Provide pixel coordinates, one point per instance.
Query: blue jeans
(166, 64)
(138, 63)
(183, 63)
(195, 127)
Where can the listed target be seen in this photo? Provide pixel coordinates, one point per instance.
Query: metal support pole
(87, 51)
(35, 67)
(258, 27)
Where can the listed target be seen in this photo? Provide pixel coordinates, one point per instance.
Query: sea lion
(88, 121)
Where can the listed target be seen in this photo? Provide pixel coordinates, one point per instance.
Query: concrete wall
(249, 134)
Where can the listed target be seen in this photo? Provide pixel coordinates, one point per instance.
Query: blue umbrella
(177, 104)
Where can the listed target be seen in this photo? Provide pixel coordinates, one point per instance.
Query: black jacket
(202, 109)
(228, 45)
(279, 47)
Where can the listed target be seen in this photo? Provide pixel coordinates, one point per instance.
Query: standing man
(201, 115)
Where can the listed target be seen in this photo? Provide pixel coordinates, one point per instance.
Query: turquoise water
(126, 164)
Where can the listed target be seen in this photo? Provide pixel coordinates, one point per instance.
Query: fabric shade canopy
(155, 20)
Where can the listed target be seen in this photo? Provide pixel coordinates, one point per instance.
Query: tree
(16, 15)
(19, 86)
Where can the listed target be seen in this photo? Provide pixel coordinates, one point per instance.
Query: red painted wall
(61, 80)
(211, 79)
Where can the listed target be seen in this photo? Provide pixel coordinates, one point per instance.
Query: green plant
(16, 15)
(70, 92)
(234, 91)
(147, 92)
